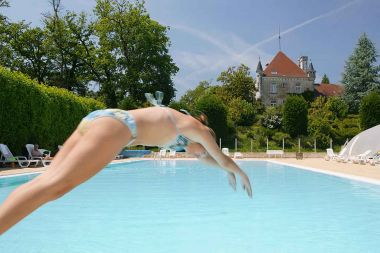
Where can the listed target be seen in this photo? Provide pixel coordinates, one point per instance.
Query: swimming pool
(180, 206)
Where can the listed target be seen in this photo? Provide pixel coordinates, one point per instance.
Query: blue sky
(208, 36)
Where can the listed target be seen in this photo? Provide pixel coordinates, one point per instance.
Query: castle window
(283, 85)
(273, 88)
(273, 102)
(298, 88)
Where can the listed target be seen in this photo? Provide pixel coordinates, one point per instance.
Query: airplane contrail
(296, 27)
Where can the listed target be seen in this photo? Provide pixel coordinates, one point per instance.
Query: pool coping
(44, 169)
(337, 174)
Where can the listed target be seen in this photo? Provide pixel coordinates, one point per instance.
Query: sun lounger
(330, 155)
(44, 162)
(8, 157)
(275, 153)
(374, 159)
(161, 154)
(172, 154)
(238, 155)
(361, 158)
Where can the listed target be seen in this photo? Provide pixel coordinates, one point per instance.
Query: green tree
(238, 82)
(5, 49)
(67, 55)
(325, 79)
(308, 95)
(337, 106)
(241, 112)
(346, 128)
(30, 51)
(370, 110)
(295, 116)
(190, 98)
(319, 125)
(177, 105)
(128, 103)
(139, 47)
(216, 112)
(360, 76)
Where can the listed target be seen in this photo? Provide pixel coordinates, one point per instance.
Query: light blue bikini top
(181, 142)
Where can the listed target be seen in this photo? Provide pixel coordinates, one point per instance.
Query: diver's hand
(246, 184)
(232, 180)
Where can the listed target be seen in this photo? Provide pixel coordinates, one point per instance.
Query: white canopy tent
(366, 140)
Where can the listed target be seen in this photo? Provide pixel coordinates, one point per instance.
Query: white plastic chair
(8, 157)
(238, 155)
(330, 154)
(362, 158)
(226, 151)
(44, 162)
(172, 153)
(161, 154)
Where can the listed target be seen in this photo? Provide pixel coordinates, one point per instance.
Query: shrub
(128, 103)
(179, 105)
(271, 118)
(320, 129)
(216, 112)
(295, 116)
(278, 137)
(35, 113)
(369, 111)
(346, 128)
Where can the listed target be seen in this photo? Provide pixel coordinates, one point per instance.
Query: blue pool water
(183, 206)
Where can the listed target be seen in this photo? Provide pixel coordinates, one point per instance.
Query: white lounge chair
(361, 158)
(161, 154)
(226, 151)
(172, 153)
(44, 162)
(330, 155)
(8, 157)
(375, 159)
(275, 152)
(342, 157)
(238, 155)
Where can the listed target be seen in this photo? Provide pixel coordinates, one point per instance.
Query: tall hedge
(35, 113)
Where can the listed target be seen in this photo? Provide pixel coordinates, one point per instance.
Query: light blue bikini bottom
(121, 115)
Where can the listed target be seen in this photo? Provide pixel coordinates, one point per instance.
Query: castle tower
(311, 72)
(259, 75)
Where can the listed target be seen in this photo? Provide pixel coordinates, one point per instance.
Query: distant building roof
(328, 90)
(281, 65)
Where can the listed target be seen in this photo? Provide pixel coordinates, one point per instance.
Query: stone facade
(283, 77)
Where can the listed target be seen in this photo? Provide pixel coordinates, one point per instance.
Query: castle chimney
(303, 63)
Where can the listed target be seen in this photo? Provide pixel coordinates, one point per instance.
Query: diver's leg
(91, 152)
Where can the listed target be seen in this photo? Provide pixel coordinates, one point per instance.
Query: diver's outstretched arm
(202, 135)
